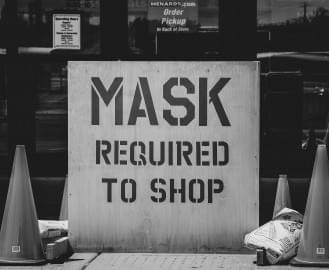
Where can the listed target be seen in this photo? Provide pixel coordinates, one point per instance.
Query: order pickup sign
(172, 16)
(163, 156)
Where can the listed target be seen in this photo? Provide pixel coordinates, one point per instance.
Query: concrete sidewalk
(154, 261)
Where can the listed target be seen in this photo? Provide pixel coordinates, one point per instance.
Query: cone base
(10, 261)
(304, 262)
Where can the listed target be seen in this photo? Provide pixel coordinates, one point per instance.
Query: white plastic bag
(279, 237)
(53, 228)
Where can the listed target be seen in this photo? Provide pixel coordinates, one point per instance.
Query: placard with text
(173, 15)
(67, 31)
(163, 156)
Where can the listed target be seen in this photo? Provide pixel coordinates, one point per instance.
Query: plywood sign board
(163, 156)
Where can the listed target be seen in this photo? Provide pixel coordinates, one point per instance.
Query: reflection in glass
(284, 12)
(147, 18)
(315, 108)
(51, 111)
(2, 26)
(3, 114)
(294, 25)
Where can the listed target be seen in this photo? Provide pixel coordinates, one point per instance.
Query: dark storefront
(287, 37)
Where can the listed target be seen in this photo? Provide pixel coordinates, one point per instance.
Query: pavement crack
(90, 261)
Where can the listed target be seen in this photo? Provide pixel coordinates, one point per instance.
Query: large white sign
(66, 31)
(163, 156)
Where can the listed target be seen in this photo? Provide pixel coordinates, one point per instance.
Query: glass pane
(285, 12)
(152, 21)
(291, 24)
(315, 108)
(208, 15)
(3, 114)
(51, 112)
(2, 26)
(36, 23)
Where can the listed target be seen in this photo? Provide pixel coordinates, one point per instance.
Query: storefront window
(51, 26)
(3, 115)
(292, 38)
(315, 109)
(51, 111)
(293, 25)
(2, 27)
(295, 34)
(154, 24)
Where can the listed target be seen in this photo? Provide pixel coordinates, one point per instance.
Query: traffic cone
(314, 242)
(63, 215)
(282, 198)
(20, 241)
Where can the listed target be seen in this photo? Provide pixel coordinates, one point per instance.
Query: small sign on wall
(67, 31)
